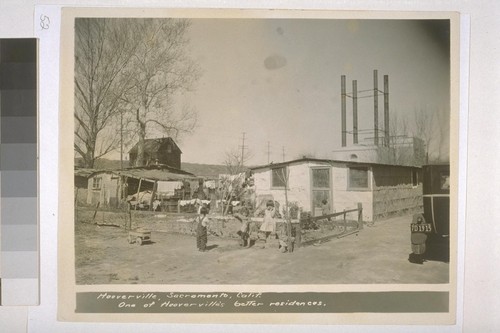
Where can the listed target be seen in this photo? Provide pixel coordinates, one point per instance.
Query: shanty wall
(300, 189)
(392, 190)
(299, 185)
(81, 195)
(107, 194)
(345, 198)
(397, 200)
(397, 191)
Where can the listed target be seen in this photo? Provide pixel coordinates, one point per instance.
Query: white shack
(383, 190)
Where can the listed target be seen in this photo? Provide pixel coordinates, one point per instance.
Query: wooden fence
(342, 227)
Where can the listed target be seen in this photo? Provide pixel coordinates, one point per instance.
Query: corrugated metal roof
(162, 167)
(160, 175)
(84, 172)
(150, 174)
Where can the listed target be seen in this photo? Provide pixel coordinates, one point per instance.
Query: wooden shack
(383, 190)
(163, 151)
(112, 188)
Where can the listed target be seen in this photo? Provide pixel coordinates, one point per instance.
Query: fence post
(360, 215)
(129, 218)
(345, 222)
(95, 212)
(298, 234)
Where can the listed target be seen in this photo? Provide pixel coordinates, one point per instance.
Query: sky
(277, 82)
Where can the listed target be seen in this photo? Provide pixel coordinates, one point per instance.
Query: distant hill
(204, 170)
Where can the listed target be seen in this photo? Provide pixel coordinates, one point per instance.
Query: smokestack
(343, 109)
(355, 111)
(375, 106)
(386, 109)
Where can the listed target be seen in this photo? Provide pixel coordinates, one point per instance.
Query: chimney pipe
(343, 109)
(375, 106)
(355, 111)
(386, 109)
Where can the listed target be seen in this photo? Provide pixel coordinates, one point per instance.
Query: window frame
(96, 183)
(329, 187)
(272, 177)
(368, 187)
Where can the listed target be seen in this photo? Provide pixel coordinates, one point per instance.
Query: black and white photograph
(229, 152)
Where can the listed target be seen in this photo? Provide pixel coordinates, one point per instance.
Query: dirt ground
(378, 254)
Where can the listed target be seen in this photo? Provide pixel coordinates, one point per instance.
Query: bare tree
(416, 140)
(434, 130)
(103, 49)
(284, 177)
(395, 149)
(231, 184)
(234, 162)
(159, 70)
(424, 128)
(443, 140)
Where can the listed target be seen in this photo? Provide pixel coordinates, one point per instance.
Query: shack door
(321, 191)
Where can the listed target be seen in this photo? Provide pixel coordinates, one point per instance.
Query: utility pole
(121, 140)
(243, 149)
(268, 151)
(343, 109)
(355, 112)
(386, 109)
(375, 106)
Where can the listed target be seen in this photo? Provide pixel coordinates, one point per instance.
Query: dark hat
(204, 210)
(270, 203)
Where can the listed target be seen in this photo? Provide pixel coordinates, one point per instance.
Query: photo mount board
(343, 303)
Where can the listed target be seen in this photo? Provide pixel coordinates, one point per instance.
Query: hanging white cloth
(168, 187)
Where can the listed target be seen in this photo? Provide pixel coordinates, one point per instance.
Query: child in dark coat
(244, 231)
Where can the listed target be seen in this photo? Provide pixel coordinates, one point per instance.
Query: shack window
(321, 191)
(358, 178)
(278, 177)
(321, 178)
(96, 183)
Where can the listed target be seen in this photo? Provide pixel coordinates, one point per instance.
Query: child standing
(201, 229)
(325, 207)
(269, 224)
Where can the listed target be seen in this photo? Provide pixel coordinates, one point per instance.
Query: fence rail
(346, 227)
